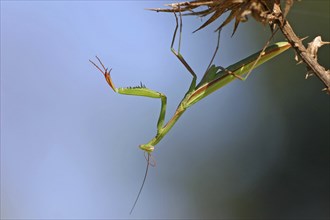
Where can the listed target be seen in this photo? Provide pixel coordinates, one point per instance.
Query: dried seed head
(260, 10)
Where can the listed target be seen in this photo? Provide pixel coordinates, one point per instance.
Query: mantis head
(147, 148)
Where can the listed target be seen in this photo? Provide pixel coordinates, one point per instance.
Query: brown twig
(307, 58)
(264, 11)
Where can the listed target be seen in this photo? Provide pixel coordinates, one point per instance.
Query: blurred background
(256, 149)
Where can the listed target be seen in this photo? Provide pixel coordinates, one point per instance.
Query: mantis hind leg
(262, 52)
(215, 51)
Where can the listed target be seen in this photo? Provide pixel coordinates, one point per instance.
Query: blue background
(254, 149)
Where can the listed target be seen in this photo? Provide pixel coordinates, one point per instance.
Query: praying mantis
(215, 77)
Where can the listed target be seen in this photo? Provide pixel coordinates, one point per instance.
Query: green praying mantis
(214, 78)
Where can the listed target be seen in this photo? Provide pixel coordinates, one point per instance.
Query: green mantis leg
(255, 64)
(136, 91)
(178, 54)
(180, 57)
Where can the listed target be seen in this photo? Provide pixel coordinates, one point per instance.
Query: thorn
(309, 74)
(304, 38)
(327, 90)
(314, 46)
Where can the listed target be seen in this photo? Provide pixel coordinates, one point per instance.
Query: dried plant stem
(308, 59)
(264, 11)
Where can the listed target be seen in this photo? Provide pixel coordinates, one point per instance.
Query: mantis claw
(105, 72)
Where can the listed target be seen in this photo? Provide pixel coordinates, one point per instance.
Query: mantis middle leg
(180, 57)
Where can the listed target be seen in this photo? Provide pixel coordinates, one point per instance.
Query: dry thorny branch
(264, 11)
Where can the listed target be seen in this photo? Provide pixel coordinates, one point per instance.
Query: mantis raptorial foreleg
(136, 91)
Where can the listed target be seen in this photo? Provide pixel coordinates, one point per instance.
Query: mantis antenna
(142, 185)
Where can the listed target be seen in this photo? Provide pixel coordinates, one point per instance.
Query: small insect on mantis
(214, 78)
